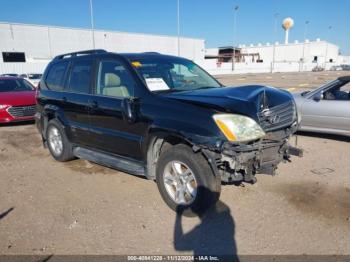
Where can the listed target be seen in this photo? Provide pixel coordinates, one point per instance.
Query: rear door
(110, 131)
(76, 100)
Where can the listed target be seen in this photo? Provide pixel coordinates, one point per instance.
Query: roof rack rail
(86, 52)
(156, 53)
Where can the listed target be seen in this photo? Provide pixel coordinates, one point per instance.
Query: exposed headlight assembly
(238, 128)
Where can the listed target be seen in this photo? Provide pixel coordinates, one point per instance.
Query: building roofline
(98, 30)
(289, 44)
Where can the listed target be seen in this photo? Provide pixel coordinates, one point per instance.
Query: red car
(17, 100)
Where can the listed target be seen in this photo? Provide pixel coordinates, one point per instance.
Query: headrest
(111, 80)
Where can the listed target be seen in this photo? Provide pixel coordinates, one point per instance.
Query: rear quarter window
(55, 77)
(80, 76)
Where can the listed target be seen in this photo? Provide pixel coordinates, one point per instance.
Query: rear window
(80, 77)
(55, 77)
(15, 85)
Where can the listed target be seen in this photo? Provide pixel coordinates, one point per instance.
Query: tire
(56, 135)
(200, 194)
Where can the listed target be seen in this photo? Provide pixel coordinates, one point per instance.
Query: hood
(17, 98)
(244, 100)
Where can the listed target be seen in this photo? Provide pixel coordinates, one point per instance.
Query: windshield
(173, 74)
(14, 85)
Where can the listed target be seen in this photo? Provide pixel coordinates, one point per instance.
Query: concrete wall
(213, 68)
(42, 43)
(294, 52)
(344, 59)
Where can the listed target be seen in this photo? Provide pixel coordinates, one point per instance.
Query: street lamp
(274, 44)
(234, 37)
(178, 27)
(325, 57)
(305, 29)
(92, 24)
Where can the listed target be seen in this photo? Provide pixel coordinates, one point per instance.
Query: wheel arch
(52, 112)
(160, 141)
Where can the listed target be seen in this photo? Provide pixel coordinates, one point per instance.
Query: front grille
(22, 111)
(277, 117)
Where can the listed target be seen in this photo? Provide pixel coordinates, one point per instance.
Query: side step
(111, 161)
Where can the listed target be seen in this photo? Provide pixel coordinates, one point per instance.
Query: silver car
(327, 108)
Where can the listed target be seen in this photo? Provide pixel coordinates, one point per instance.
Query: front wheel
(186, 181)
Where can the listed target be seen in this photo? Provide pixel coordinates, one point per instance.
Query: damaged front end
(237, 162)
(256, 123)
(240, 161)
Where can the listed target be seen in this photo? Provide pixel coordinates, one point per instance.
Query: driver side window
(341, 92)
(114, 80)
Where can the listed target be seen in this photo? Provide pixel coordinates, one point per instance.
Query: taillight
(37, 91)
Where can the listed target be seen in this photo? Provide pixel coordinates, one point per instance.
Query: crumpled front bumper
(241, 161)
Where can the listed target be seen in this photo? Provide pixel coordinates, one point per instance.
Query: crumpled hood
(245, 100)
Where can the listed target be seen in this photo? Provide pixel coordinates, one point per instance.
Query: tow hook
(249, 176)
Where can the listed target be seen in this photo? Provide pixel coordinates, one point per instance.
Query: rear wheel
(186, 181)
(59, 146)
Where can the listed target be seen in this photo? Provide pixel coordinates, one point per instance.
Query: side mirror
(130, 109)
(317, 97)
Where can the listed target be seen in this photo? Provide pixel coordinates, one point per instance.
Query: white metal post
(234, 37)
(92, 24)
(178, 27)
(274, 43)
(326, 54)
(305, 34)
(49, 40)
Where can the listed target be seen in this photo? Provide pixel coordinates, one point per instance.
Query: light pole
(178, 27)
(92, 24)
(305, 34)
(234, 37)
(274, 42)
(325, 56)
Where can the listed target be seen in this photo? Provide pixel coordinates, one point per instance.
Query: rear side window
(80, 77)
(55, 77)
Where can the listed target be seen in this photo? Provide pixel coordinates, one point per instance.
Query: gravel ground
(47, 207)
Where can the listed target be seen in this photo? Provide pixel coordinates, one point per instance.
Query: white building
(33, 46)
(309, 51)
(291, 57)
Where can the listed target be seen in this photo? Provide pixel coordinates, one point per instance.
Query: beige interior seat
(113, 86)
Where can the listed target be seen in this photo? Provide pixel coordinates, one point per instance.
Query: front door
(331, 111)
(110, 131)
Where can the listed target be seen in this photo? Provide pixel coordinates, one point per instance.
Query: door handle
(93, 104)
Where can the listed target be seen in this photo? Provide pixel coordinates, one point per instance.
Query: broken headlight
(238, 128)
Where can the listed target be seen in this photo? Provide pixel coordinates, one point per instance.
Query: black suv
(165, 118)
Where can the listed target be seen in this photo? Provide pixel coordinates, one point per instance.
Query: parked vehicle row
(33, 78)
(17, 100)
(327, 108)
